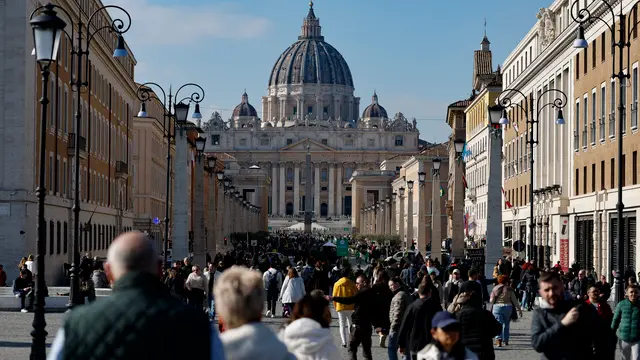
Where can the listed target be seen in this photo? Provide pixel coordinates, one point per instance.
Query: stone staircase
(53, 303)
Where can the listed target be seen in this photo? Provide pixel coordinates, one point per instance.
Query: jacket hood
(305, 337)
(253, 341)
(272, 270)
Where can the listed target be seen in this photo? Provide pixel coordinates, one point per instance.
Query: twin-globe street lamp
(47, 30)
(499, 117)
(585, 18)
(178, 111)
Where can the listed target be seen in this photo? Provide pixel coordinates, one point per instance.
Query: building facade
(106, 133)
(540, 65)
(593, 217)
(310, 106)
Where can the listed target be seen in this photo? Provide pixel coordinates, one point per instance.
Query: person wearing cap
(446, 344)
(451, 288)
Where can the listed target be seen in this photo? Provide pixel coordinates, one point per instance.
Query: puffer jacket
(626, 321)
(399, 304)
(478, 327)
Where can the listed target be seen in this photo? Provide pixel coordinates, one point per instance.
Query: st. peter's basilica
(311, 106)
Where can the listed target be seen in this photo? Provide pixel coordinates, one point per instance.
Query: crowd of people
(416, 308)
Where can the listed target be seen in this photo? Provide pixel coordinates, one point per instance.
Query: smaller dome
(374, 110)
(244, 108)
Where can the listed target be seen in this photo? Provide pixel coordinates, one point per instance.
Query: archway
(324, 210)
(289, 209)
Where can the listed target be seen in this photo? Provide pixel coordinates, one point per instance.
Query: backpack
(307, 273)
(272, 281)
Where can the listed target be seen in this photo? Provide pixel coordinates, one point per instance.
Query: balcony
(82, 145)
(122, 169)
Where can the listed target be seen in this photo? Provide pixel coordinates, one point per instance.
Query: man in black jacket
(132, 323)
(362, 317)
(568, 329)
(415, 330)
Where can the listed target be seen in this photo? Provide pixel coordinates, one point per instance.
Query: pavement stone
(15, 337)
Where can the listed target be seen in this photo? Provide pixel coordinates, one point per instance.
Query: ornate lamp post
(498, 116)
(47, 28)
(179, 114)
(585, 18)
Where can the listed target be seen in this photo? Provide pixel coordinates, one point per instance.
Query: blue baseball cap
(443, 319)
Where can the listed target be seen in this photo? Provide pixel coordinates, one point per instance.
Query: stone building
(310, 106)
(106, 139)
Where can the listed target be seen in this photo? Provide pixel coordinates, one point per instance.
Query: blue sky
(417, 54)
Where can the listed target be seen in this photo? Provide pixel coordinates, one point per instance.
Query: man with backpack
(272, 279)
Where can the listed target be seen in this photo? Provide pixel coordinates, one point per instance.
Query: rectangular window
(324, 141)
(612, 111)
(586, 63)
(603, 104)
(613, 174)
(584, 122)
(623, 95)
(371, 143)
(602, 170)
(577, 185)
(265, 141)
(593, 177)
(309, 110)
(603, 46)
(56, 185)
(295, 110)
(584, 180)
(623, 176)
(593, 117)
(399, 140)
(634, 168)
(64, 178)
(325, 110)
(289, 141)
(576, 132)
(577, 66)
(634, 100)
(215, 139)
(50, 180)
(593, 52)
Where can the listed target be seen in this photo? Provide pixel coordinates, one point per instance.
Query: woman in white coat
(292, 291)
(308, 336)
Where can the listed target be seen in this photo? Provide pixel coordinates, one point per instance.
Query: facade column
(316, 192)
(180, 221)
(350, 117)
(283, 109)
(394, 216)
(299, 107)
(493, 249)
(210, 220)
(220, 210)
(339, 181)
(436, 218)
(274, 189)
(410, 217)
(270, 112)
(401, 222)
(332, 192)
(282, 183)
(319, 108)
(387, 216)
(336, 108)
(296, 189)
(422, 219)
(198, 213)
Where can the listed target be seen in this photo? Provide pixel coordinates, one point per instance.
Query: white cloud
(187, 24)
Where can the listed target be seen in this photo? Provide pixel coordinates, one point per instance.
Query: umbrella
(329, 244)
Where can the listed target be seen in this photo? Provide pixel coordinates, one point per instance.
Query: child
(445, 331)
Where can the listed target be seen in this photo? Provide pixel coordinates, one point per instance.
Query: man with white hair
(240, 298)
(139, 320)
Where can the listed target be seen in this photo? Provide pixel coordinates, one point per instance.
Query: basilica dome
(311, 60)
(374, 110)
(244, 108)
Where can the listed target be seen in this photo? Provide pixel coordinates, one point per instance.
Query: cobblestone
(15, 338)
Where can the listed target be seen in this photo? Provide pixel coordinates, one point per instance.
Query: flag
(441, 191)
(466, 224)
(464, 182)
(506, 202)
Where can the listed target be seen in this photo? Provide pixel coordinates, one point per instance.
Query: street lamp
(459, 148)
(422, 176)
(179, 115)
(410, 185)
(80, 83)
(585, 18)
(394, 196)
(211, 163)
(401, 191)
(201, 142)
(505, 102)
(47, 28)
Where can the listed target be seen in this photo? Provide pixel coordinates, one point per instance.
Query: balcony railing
(593, 132)
(576, 140)
(634, 115)
(122, 169)
(602, 128)
(82, 145)
(584, 137)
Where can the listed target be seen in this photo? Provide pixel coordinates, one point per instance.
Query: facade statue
(546, 27)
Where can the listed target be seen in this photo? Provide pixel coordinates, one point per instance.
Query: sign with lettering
(342, 247)
(564, 243)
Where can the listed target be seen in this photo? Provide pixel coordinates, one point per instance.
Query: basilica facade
(311, 106)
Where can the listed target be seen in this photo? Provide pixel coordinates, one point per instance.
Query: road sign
(342, 247)
(346, 229)
(156, 220)
(254, 242)
(518, 245)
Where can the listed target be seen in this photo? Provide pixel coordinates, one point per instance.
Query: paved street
(15, 338)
